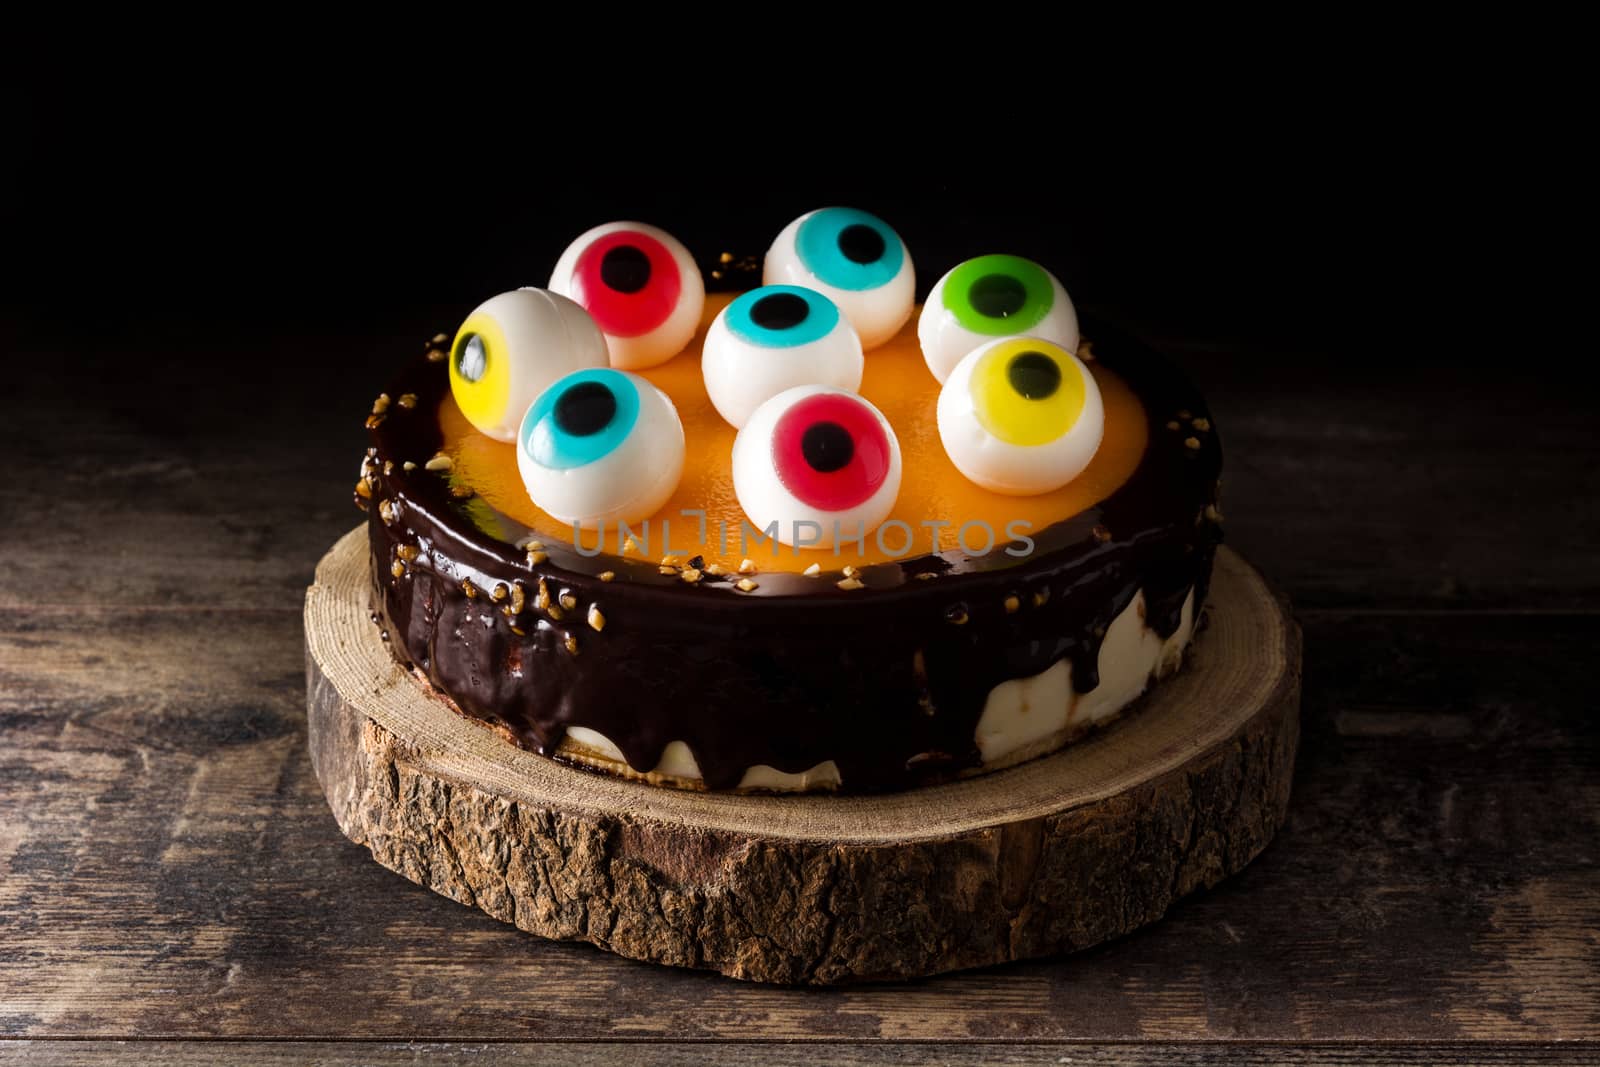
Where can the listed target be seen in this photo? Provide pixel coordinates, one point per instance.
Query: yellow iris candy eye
(1020, 416)
(513, 347)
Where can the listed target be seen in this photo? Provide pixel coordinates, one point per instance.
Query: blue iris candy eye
(600, 446)
(582, 418)
(852, 258)
(782, 316)
(775, 338)
(849, 249)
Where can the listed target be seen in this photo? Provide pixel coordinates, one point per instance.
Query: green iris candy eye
(991, 297)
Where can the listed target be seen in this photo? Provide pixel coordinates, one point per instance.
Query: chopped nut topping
(714, 569)
(519, 631)
(408, 465)
(670, 561)
(533, 546)
(747, 566)
(850, 583)
(1041, 598)
(666, 568)
(850, 571)
(542, 601)
(572, 644)
(388, 467)
(397, 569)
(1201, 424)
(956, 615)
(927, 575)
(380, 405)
(407, 400)
(537, 557)
(690, 574)
(435, 355)
(1013, 605)
(1173, 425)
(387, 509)
(567, 600)
(726, 257)
(1101, 533)
(500, 592)
(440, 339)
(469, 589)
(519, 598)
(597, 620)
(364, 489)
(374, 421)
(813, 570)
(461, 492)
(745, 585)
(441, 462)
(1184, 415)
(629, 544)
(409, 553)
(606, 576)
(1191, 443)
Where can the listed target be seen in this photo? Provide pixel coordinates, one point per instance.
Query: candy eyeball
(820, 463)
(854, 259)
(640, 285)
(989, 297)
(601, 446)
(509, 351)
(1020, 416)
(775, 338)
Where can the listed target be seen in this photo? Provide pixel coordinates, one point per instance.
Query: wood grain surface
(1052, 856)
(169, 871)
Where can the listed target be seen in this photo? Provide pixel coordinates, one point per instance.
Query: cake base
(1051, 856)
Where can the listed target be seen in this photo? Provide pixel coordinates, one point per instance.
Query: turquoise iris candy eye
(849, 249)
(782, 316)
(855, 260)
(600, 446)
(775, 338)
(583, 418)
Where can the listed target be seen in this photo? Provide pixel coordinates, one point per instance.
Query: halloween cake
(808, 536)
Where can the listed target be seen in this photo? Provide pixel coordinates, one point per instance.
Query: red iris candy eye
(830, 451)
(641, 287)
(628, 282)
(817, 466)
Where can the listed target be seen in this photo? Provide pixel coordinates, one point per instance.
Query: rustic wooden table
(172, 878)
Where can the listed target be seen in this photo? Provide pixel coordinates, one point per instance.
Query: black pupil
(780, 311)
(1034, 375)
(625, 269)
(585, 409)
(861, 243)
(827, 446)
(998, 296)
(471, 358)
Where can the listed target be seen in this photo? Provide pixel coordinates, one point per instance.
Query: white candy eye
(601, 446)
(1020, 416)
(775, 338)
(821, 463)
(641, 286)
(852, 258)
(511, 348)
(989, 297)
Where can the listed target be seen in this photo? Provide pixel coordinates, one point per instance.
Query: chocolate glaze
(888, 681)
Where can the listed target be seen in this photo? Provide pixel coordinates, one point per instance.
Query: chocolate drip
(888, 681)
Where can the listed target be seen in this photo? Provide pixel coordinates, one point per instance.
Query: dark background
(1239, 217)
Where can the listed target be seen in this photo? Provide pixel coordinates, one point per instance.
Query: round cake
(981, 613)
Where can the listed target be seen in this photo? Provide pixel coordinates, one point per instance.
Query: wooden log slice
(1047, 857)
